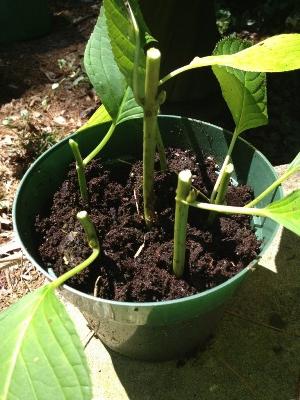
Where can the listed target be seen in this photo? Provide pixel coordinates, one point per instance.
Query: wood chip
(140, 248)
(4, 220)
(12, 245)
(14, 257)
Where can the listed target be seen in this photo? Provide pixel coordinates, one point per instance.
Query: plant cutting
(142, 77)
(129, 85)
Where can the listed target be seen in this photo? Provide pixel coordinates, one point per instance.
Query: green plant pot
(149, 331)
(23, 19)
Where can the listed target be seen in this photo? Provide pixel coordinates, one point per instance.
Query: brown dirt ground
(44, 95)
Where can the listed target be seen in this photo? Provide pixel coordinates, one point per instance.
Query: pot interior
(45, 176)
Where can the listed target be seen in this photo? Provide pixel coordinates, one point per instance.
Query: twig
(140, 248)
(78, 20)
(8, 280)
(236, 373)
(10, 246)
(96, 287)
(13, 257)
(11, 260)
(89, 339)
(124, 161)
(8, 265)
(136, 202)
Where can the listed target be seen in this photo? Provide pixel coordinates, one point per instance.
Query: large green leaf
(276, 54)
(105, 76)
(129, 108)
(41, 355)
(286, 211)
(244, 92)
(123, 38)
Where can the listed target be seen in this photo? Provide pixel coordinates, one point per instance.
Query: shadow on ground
(254, 354)
(25, 64)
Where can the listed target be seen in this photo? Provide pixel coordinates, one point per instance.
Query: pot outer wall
(147, 331)
(23, 19)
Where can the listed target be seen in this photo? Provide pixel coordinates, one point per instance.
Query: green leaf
(105, 76)
(286, 211)
(122, 37)
(100, 116)
(276, 54)
(295, 164)
(41, 355)
(244, 92)
(129, 108)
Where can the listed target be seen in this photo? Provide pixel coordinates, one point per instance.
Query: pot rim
(152, 303)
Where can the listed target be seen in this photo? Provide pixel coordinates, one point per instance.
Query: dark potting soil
(136, 264)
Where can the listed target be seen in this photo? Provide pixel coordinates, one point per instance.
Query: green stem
(89, 229)
(93, 242)
(173, 73)
(224, 184)
(151, 107)
(80, 170)
(222, 191)
(226, 209)
(181, 217)
(196, 63)
(161, 151)
(270, 188)
(225, 163)
(61, 280)
(160, 144)
(100, 146)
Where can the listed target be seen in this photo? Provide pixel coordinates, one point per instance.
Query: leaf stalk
(260, 212)
(100, 146)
